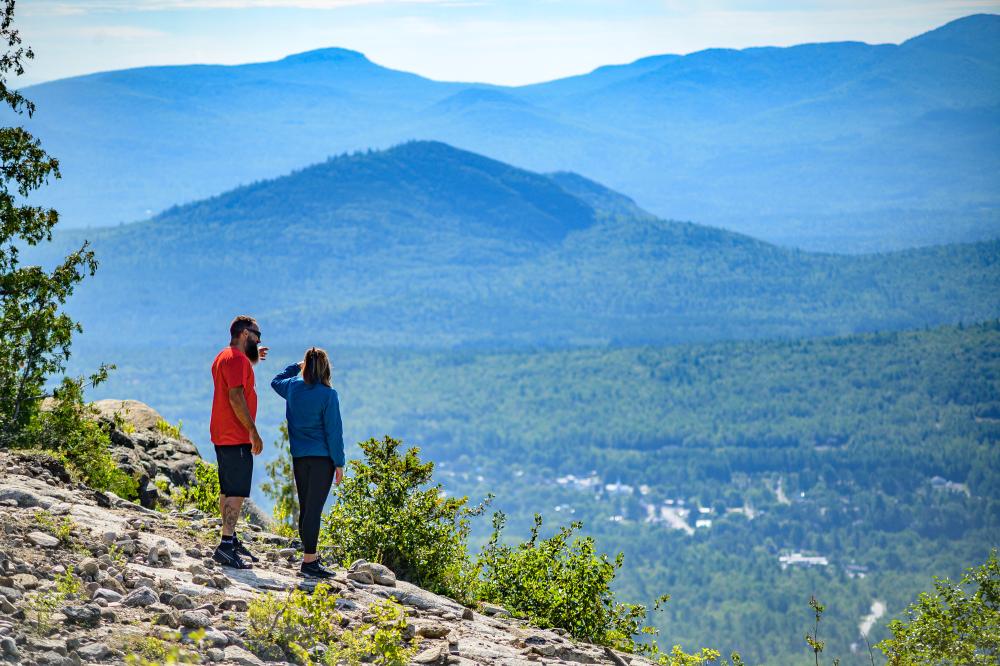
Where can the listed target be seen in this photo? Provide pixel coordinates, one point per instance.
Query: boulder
(238, 655)
(94, 652)
(195, 620)
(381, 574)
(140, 596)
(84, 616)
(42, 540)
(181, 602)
(108, 595)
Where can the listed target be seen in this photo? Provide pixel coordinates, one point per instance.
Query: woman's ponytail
(316, 367)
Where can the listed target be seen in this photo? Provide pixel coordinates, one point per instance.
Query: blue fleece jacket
(313, 414)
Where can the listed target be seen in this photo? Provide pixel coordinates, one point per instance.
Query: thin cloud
(71, 7)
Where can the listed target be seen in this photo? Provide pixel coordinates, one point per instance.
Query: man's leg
(231, 508)
(222, 509)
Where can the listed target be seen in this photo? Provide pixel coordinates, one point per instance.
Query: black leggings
(313, 478)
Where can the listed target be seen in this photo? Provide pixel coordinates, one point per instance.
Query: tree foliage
(388, 512)
(35, 334)
(956, 624)
(559, 582)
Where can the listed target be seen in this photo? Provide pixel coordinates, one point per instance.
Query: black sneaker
(226, 555)
(315, 570)
(242, 551)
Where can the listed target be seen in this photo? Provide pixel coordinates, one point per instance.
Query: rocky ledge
(144, 572)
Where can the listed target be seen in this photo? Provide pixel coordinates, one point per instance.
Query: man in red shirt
(234, 433)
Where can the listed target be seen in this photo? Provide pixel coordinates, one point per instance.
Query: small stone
(6, 607)
(85, 616)
(433, 630)
(362, 577)
(181, 602)
(109, 538)
(109, 615)
(145, 582)
(216, 638)
(238, 655)
(159, 555)
(108, 595)
(202, 579)
(94, 652)
(239, 605)
(88, 567)
(25, 581)
(43, 540)
(215, 654)
(140, 596)
(429, 656)
(168, 619)
(381, 574)
(193, 552)
(9, 648)
(287, 553)
(195, 620)
(221, 581)
(467, 614)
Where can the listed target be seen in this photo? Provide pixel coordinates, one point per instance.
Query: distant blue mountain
(843, 146)
(426, 245)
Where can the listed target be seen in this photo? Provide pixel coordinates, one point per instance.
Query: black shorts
(235, 469)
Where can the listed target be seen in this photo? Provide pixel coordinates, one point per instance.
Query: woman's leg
(317, 472)
(299, 470)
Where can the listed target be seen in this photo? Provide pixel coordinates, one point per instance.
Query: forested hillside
(838, 146)
(426, 245)
(876, 454)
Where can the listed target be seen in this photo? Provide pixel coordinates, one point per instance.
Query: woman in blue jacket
(316, 439)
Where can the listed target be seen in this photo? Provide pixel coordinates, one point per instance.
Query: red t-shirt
(230, 369)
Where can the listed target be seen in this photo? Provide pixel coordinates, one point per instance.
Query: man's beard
(251, 351)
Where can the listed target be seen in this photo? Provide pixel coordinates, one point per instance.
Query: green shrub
(280, 487)
(70, 430)
(388, 512)
(307, 627)
(559, 582)
(204, 494)
(953, 625)
(60, 528)
(379, 641)
(153, 651)
(164, 427)
(44, 603)
(297, 623)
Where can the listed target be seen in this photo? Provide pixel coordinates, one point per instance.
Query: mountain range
(837, 146)
(426, 245)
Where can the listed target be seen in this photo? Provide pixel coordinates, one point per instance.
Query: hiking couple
(315, 436)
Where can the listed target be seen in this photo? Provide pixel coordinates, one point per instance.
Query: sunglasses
(257, 333)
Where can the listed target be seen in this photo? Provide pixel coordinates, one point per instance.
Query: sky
(509, 42)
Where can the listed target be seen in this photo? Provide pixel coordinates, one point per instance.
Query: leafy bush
(280, 487)
(556, 582)
(204, 494)
(69, 429)
(296, 624)
(379, 641)
(44, 603)
(164, 427)
(953, 625)
(61, 528)
(388, 512)
(307, 627)
(153, 651)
